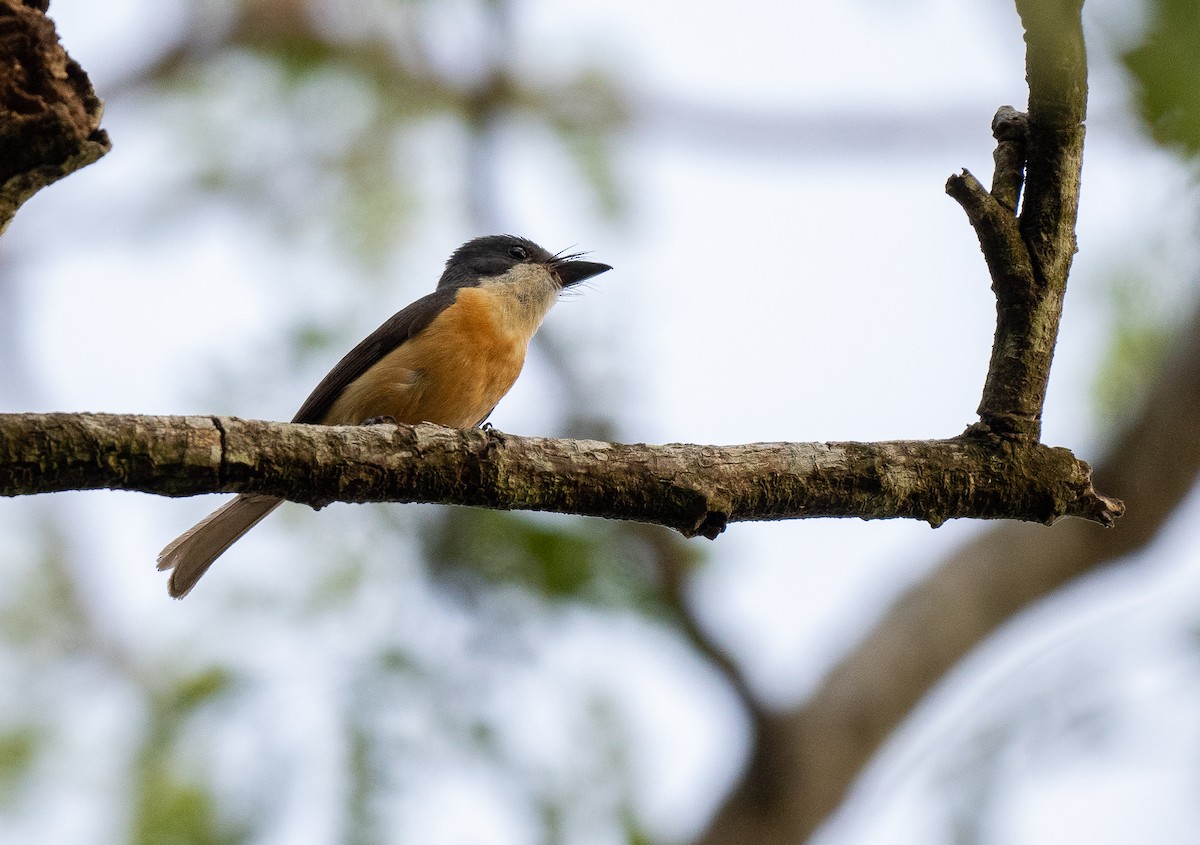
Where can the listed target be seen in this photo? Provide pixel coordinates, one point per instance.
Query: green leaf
(173, 811)
(18, 750)
(1139, 337)
(197, 690)
(1167, 73)
(600, 563)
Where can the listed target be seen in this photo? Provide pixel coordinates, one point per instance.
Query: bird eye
(518, 252)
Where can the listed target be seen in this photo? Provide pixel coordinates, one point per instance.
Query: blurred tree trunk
(804, 761)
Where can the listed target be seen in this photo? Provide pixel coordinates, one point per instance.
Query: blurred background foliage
(310, 119)
(288, 101)
(314, 121)
(1167, 75)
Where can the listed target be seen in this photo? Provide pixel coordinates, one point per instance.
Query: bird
(448, 358)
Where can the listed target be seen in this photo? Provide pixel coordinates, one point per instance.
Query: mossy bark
(694, 489)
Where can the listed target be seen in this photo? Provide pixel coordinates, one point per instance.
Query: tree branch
(49, 114)
(814, 752)
(1030, 256)
(803, 762)
(1010, 128)
(694, 489)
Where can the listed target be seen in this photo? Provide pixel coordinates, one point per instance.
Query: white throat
(527, 292)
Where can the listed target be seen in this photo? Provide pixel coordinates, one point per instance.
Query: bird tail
(193, 552)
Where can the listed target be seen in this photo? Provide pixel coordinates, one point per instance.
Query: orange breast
(453, 373)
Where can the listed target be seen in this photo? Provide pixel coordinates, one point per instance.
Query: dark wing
(399, 328)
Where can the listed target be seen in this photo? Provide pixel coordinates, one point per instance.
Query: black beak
(573, 272)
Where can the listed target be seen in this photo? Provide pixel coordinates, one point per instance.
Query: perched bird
(447, 358)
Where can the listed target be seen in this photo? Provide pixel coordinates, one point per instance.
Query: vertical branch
(804, 762)
(1030, 256)
(1056, 68)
